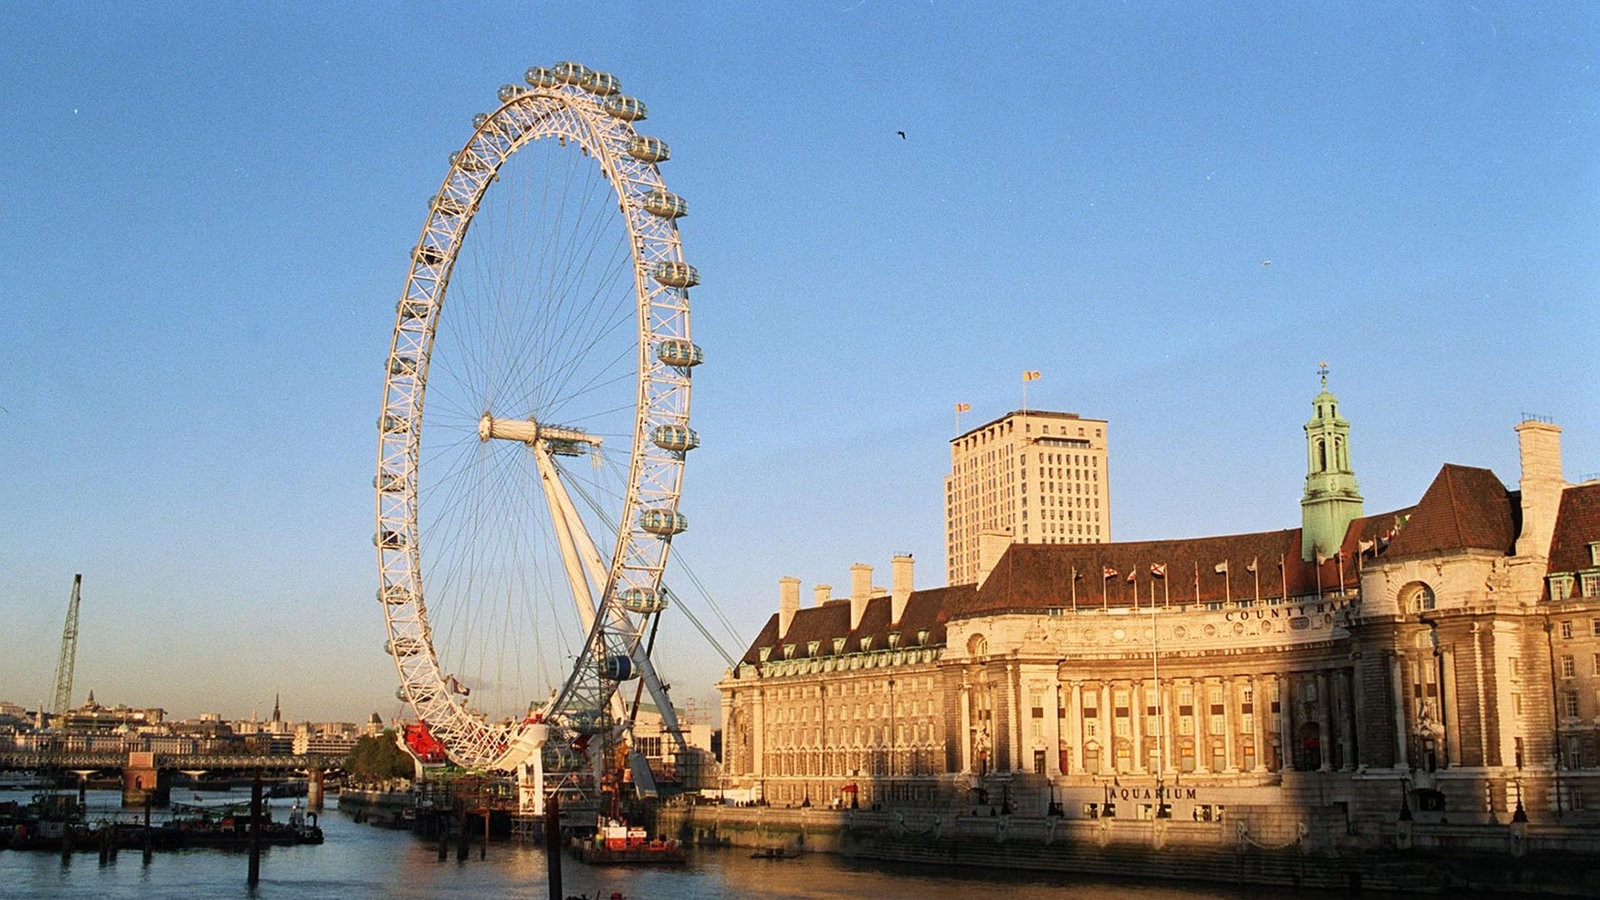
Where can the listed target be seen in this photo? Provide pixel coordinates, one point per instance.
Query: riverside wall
(1265, 846)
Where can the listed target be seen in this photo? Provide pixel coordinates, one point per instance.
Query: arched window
(977, 645)
(1416, 597)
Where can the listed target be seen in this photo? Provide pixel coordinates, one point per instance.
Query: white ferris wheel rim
(599, 127)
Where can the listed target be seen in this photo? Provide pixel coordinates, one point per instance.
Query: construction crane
(69, 654)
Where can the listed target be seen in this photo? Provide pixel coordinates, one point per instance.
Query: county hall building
(1440, 661)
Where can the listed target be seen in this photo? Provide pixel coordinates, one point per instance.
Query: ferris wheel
(524, 520)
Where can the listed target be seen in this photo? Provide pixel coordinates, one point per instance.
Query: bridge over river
(147, 774)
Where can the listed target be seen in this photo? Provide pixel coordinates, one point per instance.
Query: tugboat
(615, 842)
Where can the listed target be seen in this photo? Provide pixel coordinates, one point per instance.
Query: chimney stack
(860, 592)
(821, 594)
(1540, 446)
(788, 603)
(900, 586)
(992, 545)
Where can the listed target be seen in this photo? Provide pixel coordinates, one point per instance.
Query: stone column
(1229, 713)
(1341, 696)
(1286, 736)
(1136, 714)
(1449, 709)
(1398, 688)
(1324, 714)
(758, 734)
(1108, 738)
(1258, 723)
(1052, 728)
(966, 728)
(1202, 726)
(1075, 730)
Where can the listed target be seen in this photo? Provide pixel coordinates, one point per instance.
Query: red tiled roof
(925, 611)
(1032, 577)
(1465, 508)
(1577, 524)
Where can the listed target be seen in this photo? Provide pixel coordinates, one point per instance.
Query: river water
(362, 861)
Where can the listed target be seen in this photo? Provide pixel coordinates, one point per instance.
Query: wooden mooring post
(254, 877)
(552, 845)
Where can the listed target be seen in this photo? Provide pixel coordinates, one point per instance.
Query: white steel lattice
(578, 120)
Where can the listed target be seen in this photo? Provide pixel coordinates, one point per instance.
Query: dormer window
(811, 647)
(894, 639)
(765, 653)
(922, 638)
(1594, 553)
(838, 645)
(1560, 587)
(788, 651)
(866, 644)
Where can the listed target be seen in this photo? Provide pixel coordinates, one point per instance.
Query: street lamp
(892, 740)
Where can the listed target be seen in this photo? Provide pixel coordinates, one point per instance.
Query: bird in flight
(902, 135)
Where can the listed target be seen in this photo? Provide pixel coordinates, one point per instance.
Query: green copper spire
(1331, 501)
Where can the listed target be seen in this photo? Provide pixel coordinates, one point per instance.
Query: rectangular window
(1516, 666)
(1516, 704)
(1566, 631)
(1570, 704)
(1569, 667)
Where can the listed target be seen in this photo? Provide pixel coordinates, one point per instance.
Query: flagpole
(1227, 582)
(1341, 570)
(1166, 592)
(1197, 582)
(1255, 569)
(1283, 577)
(1074, 588)
(1104, 603)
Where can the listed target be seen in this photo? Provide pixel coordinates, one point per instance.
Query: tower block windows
(1331, 501)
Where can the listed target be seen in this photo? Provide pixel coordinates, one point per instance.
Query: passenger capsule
(585, 721)
(628, 109)
(389, 540)
(663, 522)
(394, 424)
(405, 645)
(510, 92)
(618, 668)
(410, 308)
(466, 161)
(389, 482)
(446, 205)
(676, 438)
(675, 274)
(570, 72)
(394, 594)
(479, 120)
(679, 352)
(648, 149)
(602, 83)
(405, 366)
(419, 694)
(642, 600)
(665, 204)
(428, 256)
(540, 77)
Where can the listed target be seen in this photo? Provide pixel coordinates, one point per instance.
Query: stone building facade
(1442, 659)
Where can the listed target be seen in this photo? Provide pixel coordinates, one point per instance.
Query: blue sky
(207, 211)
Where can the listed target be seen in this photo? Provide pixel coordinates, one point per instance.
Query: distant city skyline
(1171, 214)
